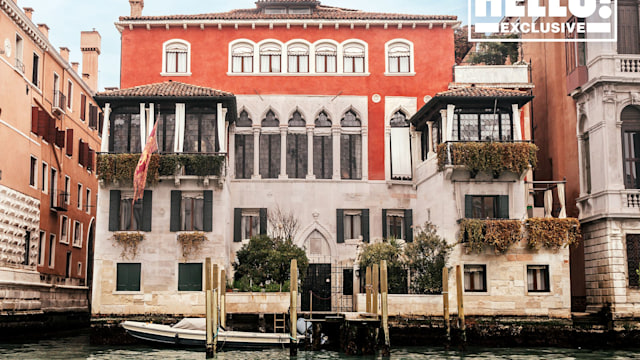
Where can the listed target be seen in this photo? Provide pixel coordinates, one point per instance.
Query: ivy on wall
(553, 233)
(191, 242)
(494, 157)
(129, 242)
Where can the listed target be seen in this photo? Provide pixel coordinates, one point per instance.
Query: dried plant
(191, 242)
(129, 242)
(283, 225)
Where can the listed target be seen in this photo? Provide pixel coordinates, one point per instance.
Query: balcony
(59, 200)
(493, 157)
(59, 102)
(19, 66)
(121, 167)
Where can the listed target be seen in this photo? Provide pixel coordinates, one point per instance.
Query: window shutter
(90, 158)
(207, 211)
(51, 131)
(364, 222)
(408, 225)
(83, 105)
(147, 207)
(384, 223)
(34, 119)
(85, 154)
(70, 142)
(468, 207)
(81, 152)
(176, 199)
(43, 121)
(237, 225)
(114, 210)
(59, 140)
(263, 221)
(503, 206)
(340, 226)
(100, 123)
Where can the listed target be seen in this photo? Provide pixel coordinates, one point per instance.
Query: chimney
(75, 66)
(90, 47)
(64, 52)
(44, 29)
(29, 12)
(136, 7)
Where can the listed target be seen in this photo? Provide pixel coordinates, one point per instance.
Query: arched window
(399, 58)
(326, 58)
(323, 148)
(270, 147)
(400, 147)
(270, 54)
(244, 147)
(176, 57)
(298, 55)
(631, 146)
(242, 58)
(354, 58)
(350, 147)
(297, 147)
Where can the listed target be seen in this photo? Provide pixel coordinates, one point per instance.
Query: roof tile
(165, 89)
(477, 91)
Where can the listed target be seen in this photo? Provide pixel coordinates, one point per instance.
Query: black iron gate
(317, 285)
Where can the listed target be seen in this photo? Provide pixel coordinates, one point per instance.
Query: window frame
(51, 260)
(77, 234)
(45, 177)
(79, 195)
(484, 278)
(298, 56)
(272, 50)
(321, 50)
(41, 247)
(348, 217)
(33, 172)
(69, 103)
(64, 229)
(237, 46)
(67, 189)
(193, 197)
(630, 126)
(35, 71)
(181, 287)
(87, 200)
(546, 273)
(165, 52)
(246, 222)
(345, 48)
(389, 49)
(501, 112)
(118, 272)
(632, 255)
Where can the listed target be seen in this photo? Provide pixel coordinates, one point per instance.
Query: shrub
(426, 256)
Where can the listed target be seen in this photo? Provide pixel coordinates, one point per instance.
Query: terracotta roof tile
(321, 12)
(477, 91)
(165, 89)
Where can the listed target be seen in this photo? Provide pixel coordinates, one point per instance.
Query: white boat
(191, 332)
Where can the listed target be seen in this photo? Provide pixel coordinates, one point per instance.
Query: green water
(77, 347)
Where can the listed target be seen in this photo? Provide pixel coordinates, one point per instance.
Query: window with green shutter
(190, 277)
(128, 277)
(486, 207)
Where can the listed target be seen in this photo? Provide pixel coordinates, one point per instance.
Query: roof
(166, 89)
(477, 91)
(320, 12)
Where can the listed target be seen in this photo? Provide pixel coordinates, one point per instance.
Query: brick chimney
(90, 47)
(64, 52)
(44, 29)
(75, 66)
(29, 12)
(136, 7)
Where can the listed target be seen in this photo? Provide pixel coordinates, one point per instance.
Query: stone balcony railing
(619, 66)
(610, 203)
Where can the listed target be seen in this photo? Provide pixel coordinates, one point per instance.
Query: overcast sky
(66, 18)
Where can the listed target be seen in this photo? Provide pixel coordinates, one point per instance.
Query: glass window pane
(269, 156)
(244, 156)
(323, 157)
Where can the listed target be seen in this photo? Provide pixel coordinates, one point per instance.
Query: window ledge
(400, 74)
(297, 74)
(400, 182)
(476, 293)
(116, 292)
(77, 246)
(539, 293)
(175, 74)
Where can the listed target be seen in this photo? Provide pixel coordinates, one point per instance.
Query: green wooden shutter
(263, 221)
(408, 225)
(364, 222)
(128, 277)
(237, 225)
(503, 206)
(114, 210)
(468, 206)
(190, 277)
(384, 223)
(147, 207)
(339, 226)
(207, 211)
(176, 199)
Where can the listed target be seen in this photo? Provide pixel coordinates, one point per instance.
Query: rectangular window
(270, 156)
(483, 126)
(299, 63)
(166, 117)
(586, 158)
(575, 52)
(244, 156)
(297, 158)
(35, 72)
(190, 277)
(538, 278)
(27, 247)
(41, 245)
(79, 196)
(269, 63)
(87, 201)
(128, 277)
(52, 250)
(633, 259)
(83, 106)
(631, 153)
(395, 226)
(69, 95)
(33, 169)
(484, 207)
(125, 131)
(67, 189)
(352, 224)
(200, 130)
(628, 27)
(64, 229)
(326, 62)
(323, 157)
(400, 153)
(191, 208)
(45, 174)
(53, 187)
(77, 234)
(475, 278)
(354, 64)
(19, 49)
(79, 268)
(242, 63)
(351, 156)
(130, 213)
(67, 273)
(250, 224)
(347, 282)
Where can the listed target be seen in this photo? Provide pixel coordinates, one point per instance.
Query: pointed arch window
(351, 147)
(323, 148)
(244, 148)
(270, 147)
(297, 147)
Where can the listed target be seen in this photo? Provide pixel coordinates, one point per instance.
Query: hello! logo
(577, 20)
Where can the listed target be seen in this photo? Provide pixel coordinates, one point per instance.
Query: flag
(140, 175)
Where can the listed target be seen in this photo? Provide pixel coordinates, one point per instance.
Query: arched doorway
(316, 288)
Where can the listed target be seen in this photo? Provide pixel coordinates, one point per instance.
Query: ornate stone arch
(303, 235)
(275, 112)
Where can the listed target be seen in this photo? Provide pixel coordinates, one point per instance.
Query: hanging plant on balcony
(191, 242)
(493, 157)
(501, 234)
(193, 164)
(129, 241)
(553, 233)
(121, 167)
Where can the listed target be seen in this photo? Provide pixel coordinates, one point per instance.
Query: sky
(67, 18)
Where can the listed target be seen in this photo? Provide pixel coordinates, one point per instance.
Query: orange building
(48, 187)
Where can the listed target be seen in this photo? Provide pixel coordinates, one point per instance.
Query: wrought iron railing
(59, 100)
(59, 200)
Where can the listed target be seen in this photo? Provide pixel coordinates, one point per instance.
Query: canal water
(77, 347)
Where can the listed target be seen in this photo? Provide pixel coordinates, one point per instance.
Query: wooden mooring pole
(375, 281)
(384, 290)
(223, 298)
(293, 308)
(461, 322)
(368, 288)
(214, 305)
(208, 303)
(445, 302)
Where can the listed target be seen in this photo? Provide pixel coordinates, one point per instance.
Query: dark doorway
(68, 271)
(317, 284)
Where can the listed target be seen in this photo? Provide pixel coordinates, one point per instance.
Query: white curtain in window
(182, 62)
(331, 64)
(348, 65)
(304, 64)
(248, 63)
(320, 65)
(393, 64)
(404, 64)
(400, 152)
(563, 209)
(275, 63)
(359, 65)
(264, 63)
(179, 133)
(548, 203)
(293, 64)
(171, 61)
(237, 64)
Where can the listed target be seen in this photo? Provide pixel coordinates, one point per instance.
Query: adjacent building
(48, 187)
